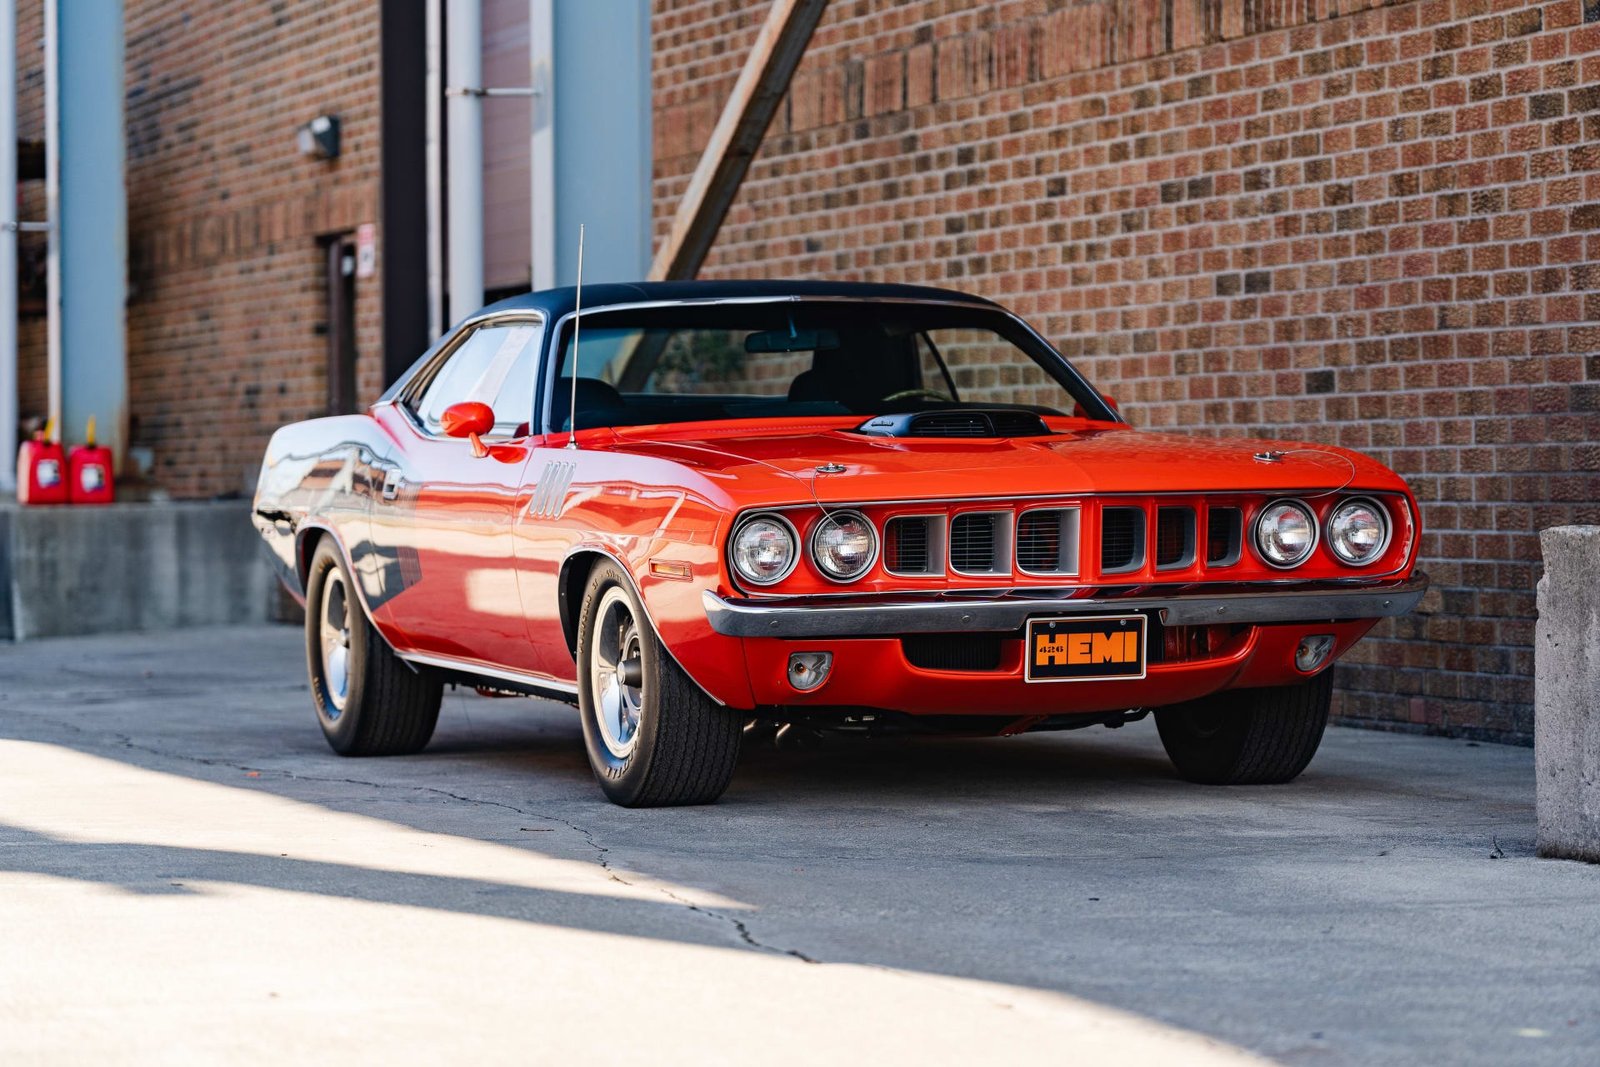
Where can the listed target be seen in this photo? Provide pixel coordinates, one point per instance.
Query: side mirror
(470, 419)
(1110, 403)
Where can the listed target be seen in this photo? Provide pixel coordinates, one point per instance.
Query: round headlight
(844, 545)
(764, 549)
(1358, 531)
(1285, 533)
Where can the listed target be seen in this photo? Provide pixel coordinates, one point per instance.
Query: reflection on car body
(833, 506)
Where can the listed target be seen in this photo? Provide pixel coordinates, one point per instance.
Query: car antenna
(577, 315)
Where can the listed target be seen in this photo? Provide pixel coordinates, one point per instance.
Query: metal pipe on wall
(542, 143)
(433, 154)
(84, 165)
(8, 247)
(464, 154)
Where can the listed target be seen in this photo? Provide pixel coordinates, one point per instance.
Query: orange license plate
(1094, 648)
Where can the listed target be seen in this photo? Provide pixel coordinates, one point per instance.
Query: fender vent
(1000, 422)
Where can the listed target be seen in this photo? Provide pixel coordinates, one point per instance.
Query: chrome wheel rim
(616, 683)
(333, 638)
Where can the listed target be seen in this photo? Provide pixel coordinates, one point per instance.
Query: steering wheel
(919, 394)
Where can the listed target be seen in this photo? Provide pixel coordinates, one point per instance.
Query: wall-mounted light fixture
(319, 138)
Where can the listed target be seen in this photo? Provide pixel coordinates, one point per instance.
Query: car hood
(782, 465)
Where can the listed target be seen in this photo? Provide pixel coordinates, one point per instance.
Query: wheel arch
(311, 534)
(570, 585)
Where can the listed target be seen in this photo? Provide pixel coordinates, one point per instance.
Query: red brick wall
(1376, 224)
(226, 296)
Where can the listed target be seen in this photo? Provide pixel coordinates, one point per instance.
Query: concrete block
(1566, 720)
(78, 570)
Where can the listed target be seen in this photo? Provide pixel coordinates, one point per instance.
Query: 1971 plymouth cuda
(829, 506)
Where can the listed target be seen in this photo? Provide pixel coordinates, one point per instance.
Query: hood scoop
(963, 422)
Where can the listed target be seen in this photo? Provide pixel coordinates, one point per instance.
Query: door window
(493, 365)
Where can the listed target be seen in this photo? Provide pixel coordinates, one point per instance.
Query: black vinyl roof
(558, 302)
(597, 295)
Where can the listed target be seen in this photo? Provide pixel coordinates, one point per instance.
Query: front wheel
(1247, 736)
(369, 701)
(654, 738)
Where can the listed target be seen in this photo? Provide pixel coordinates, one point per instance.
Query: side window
(493, 365)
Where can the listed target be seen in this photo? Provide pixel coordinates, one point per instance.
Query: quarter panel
(322, 473)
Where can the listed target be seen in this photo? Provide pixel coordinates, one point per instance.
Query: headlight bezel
(744, 523)
(832, 516)
(1385, 519)
(1311, 522)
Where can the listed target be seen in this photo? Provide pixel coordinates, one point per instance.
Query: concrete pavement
(188, 874)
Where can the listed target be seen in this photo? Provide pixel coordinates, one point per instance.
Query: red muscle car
(825, 506)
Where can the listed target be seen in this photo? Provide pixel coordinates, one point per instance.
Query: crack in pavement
(602, 852)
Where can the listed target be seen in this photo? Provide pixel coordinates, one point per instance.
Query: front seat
(599, 404)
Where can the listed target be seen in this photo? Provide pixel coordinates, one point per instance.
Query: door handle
(392, 481)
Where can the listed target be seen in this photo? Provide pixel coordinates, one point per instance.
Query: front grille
(1174, 537)
(953, 652)
(1047, 541)
(908, 545)
(1224, 536)
(973, 543)
(1121, 539)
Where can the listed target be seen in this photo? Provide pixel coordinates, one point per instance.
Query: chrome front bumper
(892, 616)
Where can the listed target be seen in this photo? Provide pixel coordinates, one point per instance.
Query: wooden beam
(737, 136)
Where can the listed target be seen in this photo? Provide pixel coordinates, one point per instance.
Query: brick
(1377, 229)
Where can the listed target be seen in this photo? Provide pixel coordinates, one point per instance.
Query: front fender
(675, 610)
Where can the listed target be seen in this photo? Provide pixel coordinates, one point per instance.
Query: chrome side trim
(532, 681)
(1002, 614)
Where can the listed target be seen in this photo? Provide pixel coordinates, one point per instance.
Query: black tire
(387, 708)
(1247, 736)
(670, 744)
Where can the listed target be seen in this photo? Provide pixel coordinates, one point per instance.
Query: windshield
(792, 359)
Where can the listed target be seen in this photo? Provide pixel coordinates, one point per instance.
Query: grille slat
(908, 546)
(1174, 537)
(1039, 541)
(1047, 541)
(1224, 536)
(973, 543)
(1121, 539)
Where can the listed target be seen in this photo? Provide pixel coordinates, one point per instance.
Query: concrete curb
(1566, 720)
(80, 570)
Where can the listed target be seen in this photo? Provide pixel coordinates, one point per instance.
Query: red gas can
(89, 472)
(41, 470)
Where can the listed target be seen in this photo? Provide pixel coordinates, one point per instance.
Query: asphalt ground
(188, 874)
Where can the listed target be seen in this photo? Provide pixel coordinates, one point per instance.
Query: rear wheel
(654, 738)
(369, 701)
(1247, 736)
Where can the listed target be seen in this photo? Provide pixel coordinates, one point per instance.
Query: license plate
(1086, 648)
